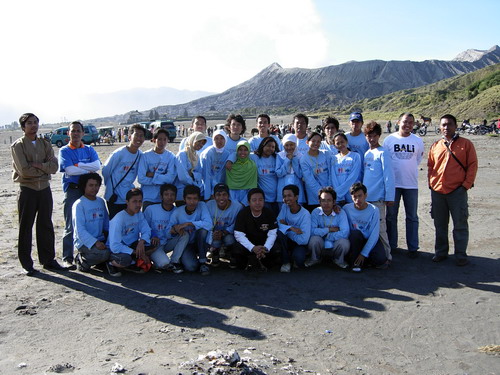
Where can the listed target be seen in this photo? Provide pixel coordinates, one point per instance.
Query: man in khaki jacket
(33, 162)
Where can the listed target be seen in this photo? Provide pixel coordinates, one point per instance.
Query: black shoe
(68, 264)
(413, 254)
(439, 258)
(462, 262)
(80, 264)
(112, 270)
(176, 268)
(135, 269)
(54, 266)
(30, 271)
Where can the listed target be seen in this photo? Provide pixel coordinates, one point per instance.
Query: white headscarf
(289, 138)
(191, 152)
(219, 132)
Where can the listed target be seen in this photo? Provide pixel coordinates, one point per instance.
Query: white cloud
(56, 52)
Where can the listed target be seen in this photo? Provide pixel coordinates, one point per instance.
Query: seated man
(223, 213)
(193, 219)
(294, 222)
(255, 232)
(329, 230)
(162, 235)
(129, 237)
(364, 223)
(90, 224)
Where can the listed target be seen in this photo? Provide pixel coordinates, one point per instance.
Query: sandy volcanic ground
(417, 317)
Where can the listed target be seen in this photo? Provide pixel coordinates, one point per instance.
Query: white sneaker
(341, 264)
(286, 267)
(311, 262)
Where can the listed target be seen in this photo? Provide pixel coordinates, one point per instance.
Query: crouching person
(329, 231)
(294, 223)
(90, 224)
(364, 221)
(255, 232)
(129, 238)
(223, 214)
(163, 236)
(193, 219)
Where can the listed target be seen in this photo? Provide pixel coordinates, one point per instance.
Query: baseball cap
(221, 187)
(356, 116)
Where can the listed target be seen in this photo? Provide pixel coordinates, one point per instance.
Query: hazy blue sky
(57, 54)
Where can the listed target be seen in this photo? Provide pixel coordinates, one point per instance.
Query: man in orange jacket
(452, 168)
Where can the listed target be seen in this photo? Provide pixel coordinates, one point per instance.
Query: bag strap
(132, 166)
(447, 144)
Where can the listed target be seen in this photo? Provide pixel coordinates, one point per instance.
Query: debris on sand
(230, 363)
(61, 368)
(118, 369)
(490, 349)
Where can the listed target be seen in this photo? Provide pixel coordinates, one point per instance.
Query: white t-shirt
(406, 154)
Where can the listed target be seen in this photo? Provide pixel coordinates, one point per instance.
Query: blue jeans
(70, 196)
(291, 250)
(410, 200)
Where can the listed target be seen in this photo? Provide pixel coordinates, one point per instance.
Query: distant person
(156, 168)
(198, 124)
(389, 126)
(300, 124)
(406, 150)
(378, 177)
(329, 231)
(330, 127)
(120, 170)
(90, 224)
(256, 231)
(356, 138)
(75, 159)
(452, 167)
(33, 162)
(364, 222)
(263, 126)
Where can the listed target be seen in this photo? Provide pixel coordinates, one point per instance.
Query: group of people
(257, 203)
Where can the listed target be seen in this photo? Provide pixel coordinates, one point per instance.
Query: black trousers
(33, 204)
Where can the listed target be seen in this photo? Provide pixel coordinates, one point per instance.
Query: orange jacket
(443, 171)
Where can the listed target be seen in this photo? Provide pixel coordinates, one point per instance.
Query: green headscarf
(243, 174)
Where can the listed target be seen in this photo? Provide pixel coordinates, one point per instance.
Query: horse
(426, 120)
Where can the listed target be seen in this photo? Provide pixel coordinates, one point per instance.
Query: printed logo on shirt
(264, 227)
(402, 151)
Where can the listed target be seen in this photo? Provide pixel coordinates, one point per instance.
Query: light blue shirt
(183, 165)
(117, 165)
(90, 221)
(289, 173)
(158, 220)
(316, 172)
(266, 176)
(301, 219)
(125, 229)
(345, 172)
(222, 219)
(367, 221)
(163, 165)
(257, 140)
(321, 224)
(213, 169)
(200, 219)
(378, 175)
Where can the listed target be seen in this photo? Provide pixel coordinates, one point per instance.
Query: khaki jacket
(24, 152)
